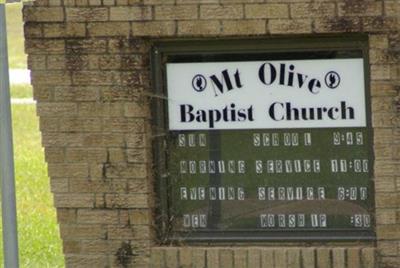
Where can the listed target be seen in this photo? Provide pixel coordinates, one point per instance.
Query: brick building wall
(91, 77)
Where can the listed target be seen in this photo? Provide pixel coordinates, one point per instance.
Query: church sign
(265, 145)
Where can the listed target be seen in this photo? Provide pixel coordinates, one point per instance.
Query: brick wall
(91, 78)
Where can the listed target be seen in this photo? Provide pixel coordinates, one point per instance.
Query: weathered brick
(383, 104)
(87, 14)
(72, 62)
(33, 30)
(221, 11)
(179, 12)
(89, 247)
(133, 109)
(391, 8)
(378, 56)
(267, 257)
(36, 62)
(93, 109)
(43, 78)
(280, 257)
(231, 1)
(116, 155)
(185, 257)
(357, 8)
(84, 261)
(153, 28)
(121, 232)
(80, 231)
(41, 46)
(383, 135)
(333, 25)
(254, 258)
(66, 215)
(226, 258)
(71, 200)
(43, 14)
(133, 125)
(65, 139)
(339, 258)
(59, 185)
(378, 41)
(123, 93)
(137, 155)
(171, 257)
(323, 258)
(213, 258)
(389, 232)
(293, 258)
(232, 27)
(57, 30)
(105, 29)
(127, 201)
(80, 125)
(95, 140)
(97, 216)
(71, 247)
(134, 13)
(385, 184)
(77, 185)
(157, 259)
(158, 2)
(48, 124)
(386, 200)
(389, 262)
(140, 216)
(386, 216)
(211, 27)
(75, 47)
(308, 257)
(379, 24)
(56, 109)
(240, 258)
(382, 151)
(97, 171)
(54, 155)
(199, 1)
(68, 170)
(279, 26)
(387, 247)
(266, 11)
(199, 258)
(368, 257)
(55, 3)
(353, 257)
(76, 94)
(307, 10)
(383, 120)
(90, 78)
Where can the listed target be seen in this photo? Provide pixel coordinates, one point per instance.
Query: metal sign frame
(9, 217)
(164, 50)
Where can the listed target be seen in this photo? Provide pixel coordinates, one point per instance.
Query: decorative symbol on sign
(199, 83)
(332, 79)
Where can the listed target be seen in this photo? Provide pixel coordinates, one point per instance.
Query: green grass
(17, 57)
(39, 242)
(21, 91)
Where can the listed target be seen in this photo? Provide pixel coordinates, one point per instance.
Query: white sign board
(319, 93)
